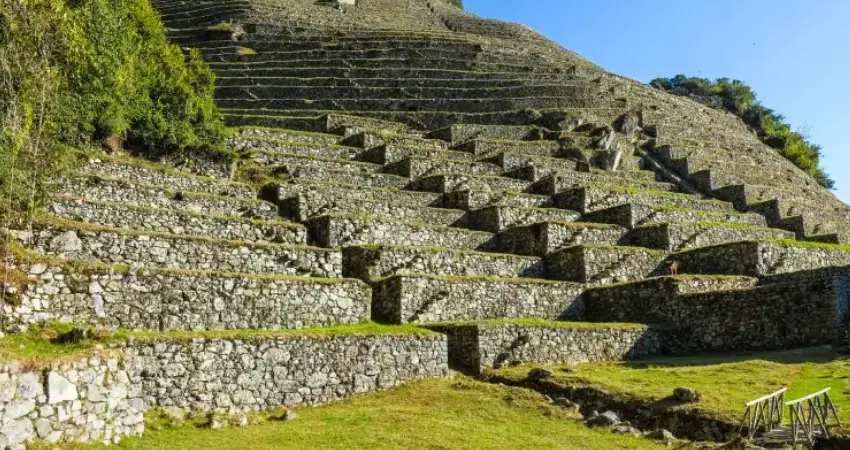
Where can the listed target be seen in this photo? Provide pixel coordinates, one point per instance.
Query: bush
(86, 70)
(739, 99)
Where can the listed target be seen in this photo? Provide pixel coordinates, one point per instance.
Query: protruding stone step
(461, 182)
(635, 215)
(103, 189)
(497, 218)
(427, 299)
(591, 198)
(112, 245)
(165, 300)
(380, 261)
(177, 222)
(346, 230)
(755, 258)
(540, 239)
(414, 168)
(493, 344)
(592, 264)
(683, 235)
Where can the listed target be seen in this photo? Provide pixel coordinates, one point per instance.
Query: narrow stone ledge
(424, 299)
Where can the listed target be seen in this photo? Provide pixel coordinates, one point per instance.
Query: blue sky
(794, 53)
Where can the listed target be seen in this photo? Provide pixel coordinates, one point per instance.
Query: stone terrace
(469, 177)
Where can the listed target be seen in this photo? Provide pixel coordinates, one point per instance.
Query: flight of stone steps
(361, 220)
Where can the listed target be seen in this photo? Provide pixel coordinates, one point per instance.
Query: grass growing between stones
(437, 414)
(725, 382)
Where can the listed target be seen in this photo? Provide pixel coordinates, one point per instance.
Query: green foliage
(73, 72)
(738, 98)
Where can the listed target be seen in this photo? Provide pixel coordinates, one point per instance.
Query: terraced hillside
(487, 196)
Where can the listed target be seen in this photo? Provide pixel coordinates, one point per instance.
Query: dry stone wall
(179, 252)
(176, 222)
(235, 375)
(92, 399)
(421, 299)
(760, 258)
(477, 347)
(171, 300)
(781, 315)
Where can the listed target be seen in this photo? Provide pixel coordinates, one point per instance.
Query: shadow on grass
(820, 355)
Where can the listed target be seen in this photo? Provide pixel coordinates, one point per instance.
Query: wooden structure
(812, 415)
(764, 413)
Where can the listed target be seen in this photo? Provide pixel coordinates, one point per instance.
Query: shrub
(738, 98)
(80, 71)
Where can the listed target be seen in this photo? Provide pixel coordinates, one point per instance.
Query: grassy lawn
(436, 414)
(726, 382)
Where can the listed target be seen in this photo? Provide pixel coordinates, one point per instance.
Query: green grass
(725, 382)
(35, 347)
(542, 323)
(438, 414)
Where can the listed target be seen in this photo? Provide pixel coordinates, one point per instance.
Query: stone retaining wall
(235, 375)
(177, 222)
(340, 231)
(602, 265)
(478, 347)
(760, 258)
(175, 180)
(798, 314)
(95, 188)
(90, 399)
(168, 300)
(377, 262)
(403, 299)
(543, 238)
(184, 253)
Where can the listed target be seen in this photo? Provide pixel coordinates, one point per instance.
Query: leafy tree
(73, 72)
(738, 98)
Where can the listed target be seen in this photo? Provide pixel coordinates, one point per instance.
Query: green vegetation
(38, 345)
(543, 323)
(725, 382)
(92, 70)
(738, 98)
(438, 414)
